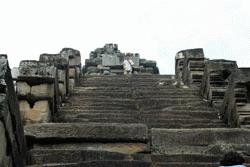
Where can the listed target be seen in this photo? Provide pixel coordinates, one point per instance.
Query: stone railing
(74, 61)
(235, 110)
(189, 66)
(37, 91)
(42, 86)
(12, 140)
(214, 82)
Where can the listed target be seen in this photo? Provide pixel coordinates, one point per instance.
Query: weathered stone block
(3, 145)
(24, 106)
(89, 131)
(62, 89)
(72, 72)
(43, 91)
(75, 61)
(198, 141)
(61, 75)
(23, 89)
(71, 85)
(15, 72)
(78, 71)
(34, 68)
(110, 60)
(39, 113)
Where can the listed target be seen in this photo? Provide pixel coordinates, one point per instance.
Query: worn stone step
(186, 164)
(71, 156)
(185, 158)
(141, 114)
(185, 126)
(87, 132)
(113, 95)
(204, 158)
(123, 148)
(200, 141)
(166, 107)
(150, 120)
(110, 163)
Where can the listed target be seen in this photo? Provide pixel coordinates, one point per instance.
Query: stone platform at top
(108, 61)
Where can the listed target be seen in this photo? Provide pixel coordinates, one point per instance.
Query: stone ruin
(59, 114)
(108, 61)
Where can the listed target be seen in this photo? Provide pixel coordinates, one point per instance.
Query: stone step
(189, 158)
(105, 132)
(142, 114)
(186, 164)
(200, 141)
(135, 94)
(39, 156)
(110, 163)
(185, 158)
(148, 120)
(115, 147)
(201, 106)
(185, 126)
(131, 100)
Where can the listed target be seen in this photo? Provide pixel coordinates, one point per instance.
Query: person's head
(232, 158)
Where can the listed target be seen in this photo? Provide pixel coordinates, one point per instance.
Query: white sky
(156, 29)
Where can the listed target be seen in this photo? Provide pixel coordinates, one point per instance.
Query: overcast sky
(156, 29)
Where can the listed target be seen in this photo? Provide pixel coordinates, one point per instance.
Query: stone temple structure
(108, 61)
(54, 112)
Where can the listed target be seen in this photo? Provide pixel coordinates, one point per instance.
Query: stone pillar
(12, 140)
(74, 58)
(193, 66)
(36, 90)
(62, 67)
(179, 59)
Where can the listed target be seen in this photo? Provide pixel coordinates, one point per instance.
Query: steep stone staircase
(133, 121)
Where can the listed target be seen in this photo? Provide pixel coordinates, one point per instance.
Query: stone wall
(12, 140)
(108, 61)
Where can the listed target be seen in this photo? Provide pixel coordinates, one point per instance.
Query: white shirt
(127, 65)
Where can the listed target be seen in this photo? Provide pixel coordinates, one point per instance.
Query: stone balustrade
(235, 110)
(12, 140)
(214, 82)
(36, 91)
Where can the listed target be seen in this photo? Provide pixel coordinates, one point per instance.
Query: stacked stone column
(74, 58)
(62, 78)
(36, 85)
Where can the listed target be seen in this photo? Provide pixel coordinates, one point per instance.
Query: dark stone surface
(56, 59)
(107, 163)
(11, 118)
(189, 66)
(71, 156)
(88, 132)
(198, 141)
(35, 69)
